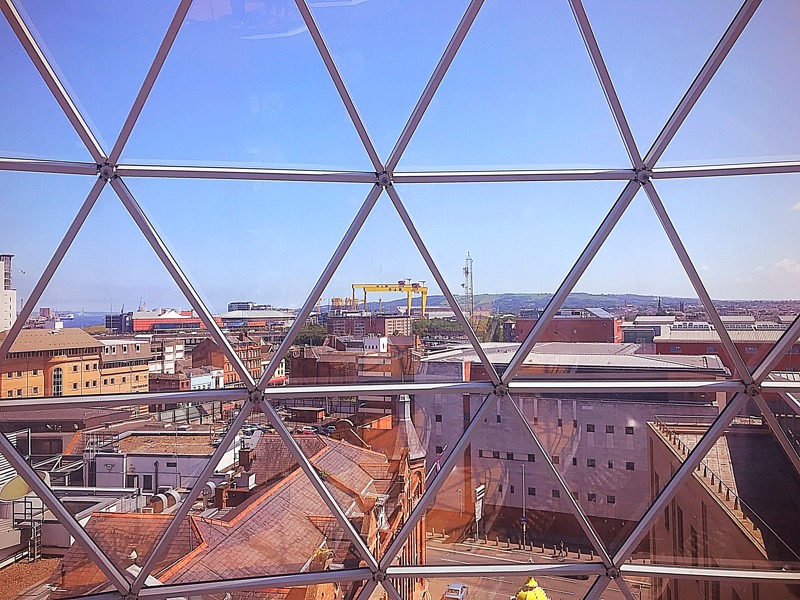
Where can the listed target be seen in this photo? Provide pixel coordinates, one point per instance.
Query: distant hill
(513, 303)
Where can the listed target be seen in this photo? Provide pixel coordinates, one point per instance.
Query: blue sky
(521, 93)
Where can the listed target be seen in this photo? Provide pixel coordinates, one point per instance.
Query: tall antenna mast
(469, 296)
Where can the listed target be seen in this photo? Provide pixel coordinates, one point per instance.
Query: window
(10, 393)
(113, 349)
(676, 349)
(556, 459)
(498, 418)
(124, 379)
(531, 458)
(137, 378)
(629, 466)
(609, 429)
(710, 350)
(35, 372)
(172, 464)
(94, 366)
(75, 386)
(575, 423)
(556, 493)
(629, 430)
(591, 497)
(86, 384)
(480, 452)
(531, 491)
(439, 449)
(438, 418)
(19, 393)
(511, 489)
(509, 456)
(74, 368)
(35, 390)
(58, 379)
(105, 380)
(560, 423)
(495, 454)
(112, 381)
(94, 383)
(611, 499)
(147, 483)
(590, 462)
(107, 349)
(611, 464)
(124, 348)
(590, 428)
(88, 366)
(19, 373)
(574, 461)
(750, 349)
(500, 487)
(138, 348)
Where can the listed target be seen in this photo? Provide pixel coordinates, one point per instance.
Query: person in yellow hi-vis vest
(531, 591)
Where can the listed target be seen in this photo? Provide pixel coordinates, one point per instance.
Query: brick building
(370, 324)
(573, 325)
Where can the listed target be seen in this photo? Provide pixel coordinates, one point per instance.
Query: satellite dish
(18, 488)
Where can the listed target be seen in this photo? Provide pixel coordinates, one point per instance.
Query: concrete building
(728, 513)
(598, 441)
(8, 295)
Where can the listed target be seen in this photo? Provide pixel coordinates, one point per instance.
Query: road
(503, 586)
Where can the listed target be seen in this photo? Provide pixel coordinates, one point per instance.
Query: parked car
(457, 591)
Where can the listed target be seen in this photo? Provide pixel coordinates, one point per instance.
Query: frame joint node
(752, 389)
(612, 572)
(384, 179)
(256, 396)
(643, 176)
(107, 172)
(379, 576)
(501, 390)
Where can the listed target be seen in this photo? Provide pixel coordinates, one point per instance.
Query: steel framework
(380, 570)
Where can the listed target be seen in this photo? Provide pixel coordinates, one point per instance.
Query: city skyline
(536, 229)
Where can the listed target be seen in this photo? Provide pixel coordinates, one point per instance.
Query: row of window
(34, 392)
(590, 497)
(589, 426)
(590, 462)
(18, 374)
(113, 349)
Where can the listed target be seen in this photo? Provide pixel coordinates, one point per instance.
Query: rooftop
(33, 340)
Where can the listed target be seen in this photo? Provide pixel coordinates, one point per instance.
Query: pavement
(441, 552)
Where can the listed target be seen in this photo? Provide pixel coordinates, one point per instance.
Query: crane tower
(469, 296)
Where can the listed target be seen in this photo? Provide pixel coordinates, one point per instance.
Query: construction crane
(402, 286)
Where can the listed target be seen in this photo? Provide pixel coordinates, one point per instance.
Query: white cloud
(788, 265)
(796, 206)
(705, 268)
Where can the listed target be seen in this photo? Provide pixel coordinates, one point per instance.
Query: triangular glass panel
(81, 315)
(738, 508)
(69, 34)
(748, 114)
(501, 501)
(510, 283)
(26, 198)
(755, 287)
(674, 47)
(32, 125)
(340, 589)
(38, 532)
(403, 50)
(502, 586)
(268, 100)
(664, 588)
(364, 332)
(611, 323)
(507, 78)
(260, 514)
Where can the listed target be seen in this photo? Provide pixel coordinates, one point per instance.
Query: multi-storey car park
(664, 469)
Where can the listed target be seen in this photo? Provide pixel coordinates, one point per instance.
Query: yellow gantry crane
(404, 285)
